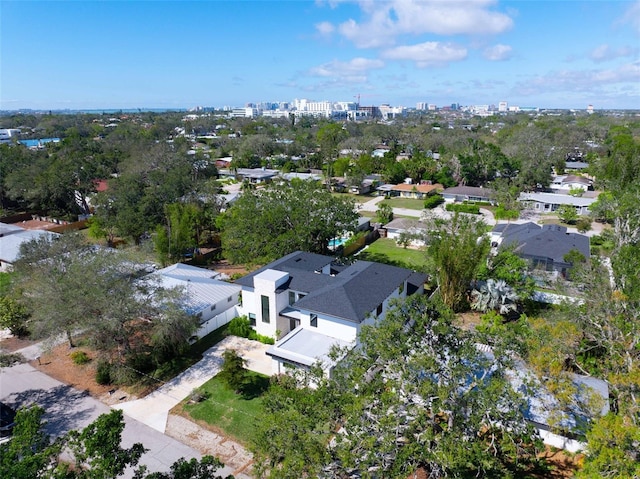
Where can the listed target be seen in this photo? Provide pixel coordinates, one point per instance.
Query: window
(379, 310)
(229, 299)
(252, 319)
(401, 288)
(314, 320)
(265, 309)
(213, 306)
(292, 297)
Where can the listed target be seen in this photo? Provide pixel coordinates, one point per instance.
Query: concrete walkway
(153, 409)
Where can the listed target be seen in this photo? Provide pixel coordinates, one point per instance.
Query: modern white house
(309, 304)
(565, 183)
(207, 296)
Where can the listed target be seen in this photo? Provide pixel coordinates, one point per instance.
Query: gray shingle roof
(547, 241)
(351, 293)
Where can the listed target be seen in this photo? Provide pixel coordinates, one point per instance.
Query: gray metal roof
(468, 191)
(557, 199)
(10, 244)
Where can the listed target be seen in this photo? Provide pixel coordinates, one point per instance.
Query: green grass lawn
(409, 203)
(385, 250)
(234, 415)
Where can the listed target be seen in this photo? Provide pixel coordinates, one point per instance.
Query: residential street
(67, 408)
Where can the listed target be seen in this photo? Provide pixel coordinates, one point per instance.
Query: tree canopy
(416, 394)
(94, 452)
(267, 223)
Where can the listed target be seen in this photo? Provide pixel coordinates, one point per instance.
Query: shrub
(464, 208)
(80, 357)
(103, 372)
(259, 337)
(432, 201)
(583, 224)
(503, 214)
(240, 326)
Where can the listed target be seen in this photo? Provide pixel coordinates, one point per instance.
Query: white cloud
(353, 71)
(325, 28)
(427, 54)
(584, 81)
(384, 21)
(498, 52)
(632, 16)
(604, 53)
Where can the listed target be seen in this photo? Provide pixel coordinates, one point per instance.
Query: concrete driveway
(153, 409)
(67, 408)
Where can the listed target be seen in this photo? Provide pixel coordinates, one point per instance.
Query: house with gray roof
(205, 294)
(545, 247)
(310, 304)
(550, 202)
(467, 193)
(11, 238)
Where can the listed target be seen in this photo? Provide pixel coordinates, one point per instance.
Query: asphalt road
(67, 408)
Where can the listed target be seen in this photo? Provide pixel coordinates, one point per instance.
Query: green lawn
(385, 250)
(235, 415)
(409, 203)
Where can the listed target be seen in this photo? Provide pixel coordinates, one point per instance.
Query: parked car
(7, 420)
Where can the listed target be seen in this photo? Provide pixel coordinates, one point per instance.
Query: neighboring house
(11, 238)
(571, 182)
(411, 226)
(543, 246)
(458, 194)
(252, 175)
(301, 176)
(419, 191)
(214, 301)
(575, 165)
(561, 426)
(310, 304)
(550, 202)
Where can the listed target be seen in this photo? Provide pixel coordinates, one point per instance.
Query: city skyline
(110, 55)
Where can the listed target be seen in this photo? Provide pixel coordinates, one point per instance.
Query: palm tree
(495, 295)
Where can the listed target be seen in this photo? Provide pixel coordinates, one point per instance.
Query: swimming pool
(334, 243)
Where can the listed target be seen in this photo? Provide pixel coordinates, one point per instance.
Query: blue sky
(168, 54)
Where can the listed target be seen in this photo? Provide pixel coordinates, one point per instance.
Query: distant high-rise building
(590, 109)
(503, 107)
(421, 105)
(431, 107)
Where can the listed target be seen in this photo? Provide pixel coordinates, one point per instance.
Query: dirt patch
(232, 270)
(12, 344)
(563, 464)
(58, 364)
(207, 441)
(469, 320)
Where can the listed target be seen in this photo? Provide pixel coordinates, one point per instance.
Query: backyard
(386, 250)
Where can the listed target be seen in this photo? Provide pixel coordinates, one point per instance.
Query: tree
(265, 224)
(30, 450)
(95, 452)
(13, 316)
(567, 214)
(457, 247)
(233, 370)
(385, 213)
(71, 286)
(416, 394)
